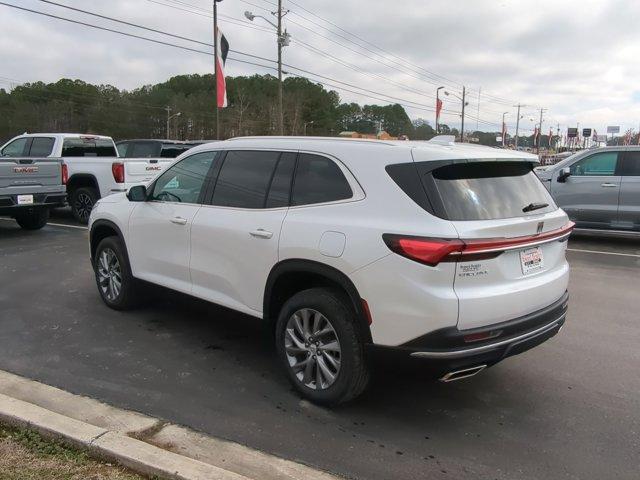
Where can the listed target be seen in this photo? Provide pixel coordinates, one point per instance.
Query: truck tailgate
(26, 172)
(143, 170)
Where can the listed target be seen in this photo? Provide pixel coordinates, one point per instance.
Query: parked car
(152, 148)
(29, 187)
(93, 165)
(598, 188)
(452, 254)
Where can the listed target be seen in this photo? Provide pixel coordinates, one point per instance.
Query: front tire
(319, 346)
(116, 285)
(33, 220)
(82, 201)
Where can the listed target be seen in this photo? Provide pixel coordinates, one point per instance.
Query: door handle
(179, 220)
(260, 233)
(609, 185)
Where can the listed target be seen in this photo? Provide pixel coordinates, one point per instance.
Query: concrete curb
(142, 443)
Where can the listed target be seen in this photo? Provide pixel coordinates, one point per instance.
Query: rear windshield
(490, 190)
(172, 151)
(88, 147)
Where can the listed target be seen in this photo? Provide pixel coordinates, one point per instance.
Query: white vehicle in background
(453, 254)
(94, 167)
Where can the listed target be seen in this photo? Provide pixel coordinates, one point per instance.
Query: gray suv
(598, 188)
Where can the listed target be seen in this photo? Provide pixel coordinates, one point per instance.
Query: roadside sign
(613, 129)
(601, 138)
(586, 132)
(572, 132)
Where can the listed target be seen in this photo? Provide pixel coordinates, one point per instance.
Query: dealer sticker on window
(25, 199)
(531, 260)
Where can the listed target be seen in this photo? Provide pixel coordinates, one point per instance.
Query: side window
(184, 181)
(122, 149)
(15, 148)
(599, 164)
(631, 164)
(41, 147)
(244, 179)
(318, 179)
(144, 150)
(280, 188)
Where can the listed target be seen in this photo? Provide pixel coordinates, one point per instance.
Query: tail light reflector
(65, 174)
(432, 251)
(117, 169)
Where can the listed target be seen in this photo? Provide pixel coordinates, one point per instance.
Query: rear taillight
(117, 169)
(65, 174)
(432, 251)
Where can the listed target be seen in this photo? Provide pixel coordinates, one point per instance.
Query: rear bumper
(9, 203)
(447, 350)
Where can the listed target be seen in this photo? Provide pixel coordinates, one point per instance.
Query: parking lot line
(603, 253)
(78, 227)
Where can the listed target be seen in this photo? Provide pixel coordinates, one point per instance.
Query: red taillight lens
(65, 174)
(432, 251)
(429, 251)
(117, 169)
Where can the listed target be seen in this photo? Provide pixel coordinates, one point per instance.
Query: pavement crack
(97, 437)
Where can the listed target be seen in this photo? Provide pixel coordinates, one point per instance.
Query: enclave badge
(540, 227)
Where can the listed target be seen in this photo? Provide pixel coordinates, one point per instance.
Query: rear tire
(82, 201)
(33, 220)
(320, 348)
(117, 287)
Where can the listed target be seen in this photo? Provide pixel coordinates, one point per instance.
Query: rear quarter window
(318, 180)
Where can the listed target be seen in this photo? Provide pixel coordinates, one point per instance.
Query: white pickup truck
(94, 167)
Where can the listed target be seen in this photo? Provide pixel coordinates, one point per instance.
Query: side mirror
(137, 193)
(564, 174)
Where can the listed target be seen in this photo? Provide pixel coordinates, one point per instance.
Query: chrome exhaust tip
(461, 374)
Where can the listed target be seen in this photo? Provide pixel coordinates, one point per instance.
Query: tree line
(76, 106)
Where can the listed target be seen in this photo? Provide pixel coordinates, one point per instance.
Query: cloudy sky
(579, 59)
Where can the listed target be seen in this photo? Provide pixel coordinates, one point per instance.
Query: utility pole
(517, 126)
(280, 42)
(464, 93)
(215, 62)
(558, 137)
(504, 129)
(478, 113)
(168, 109)
(539, 132)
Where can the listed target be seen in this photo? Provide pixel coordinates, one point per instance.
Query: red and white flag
(438, 109)
(223, 50)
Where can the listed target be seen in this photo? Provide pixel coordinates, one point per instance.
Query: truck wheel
(82, 201)
(320, 347)
(33, 220)
(116, 285)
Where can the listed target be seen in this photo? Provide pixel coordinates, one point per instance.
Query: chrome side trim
(484, 348)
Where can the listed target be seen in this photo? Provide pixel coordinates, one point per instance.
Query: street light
(305, 127)
(284, 39)
(437, 109)
(169, 117)
(504, 129)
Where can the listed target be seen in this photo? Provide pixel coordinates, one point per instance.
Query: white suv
(450, 253)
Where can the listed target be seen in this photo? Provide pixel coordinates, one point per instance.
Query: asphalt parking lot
(569, 409)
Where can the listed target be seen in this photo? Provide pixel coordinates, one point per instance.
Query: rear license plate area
(531, 260)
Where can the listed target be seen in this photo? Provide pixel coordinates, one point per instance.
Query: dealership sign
(586, 132)
(572, 132)
(613, 129)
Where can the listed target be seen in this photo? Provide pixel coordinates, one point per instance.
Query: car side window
(144, 150)
(244, 178)
(630, 164)
(317, 180)
(598, 164)
(122, 149)
(15, 148)
(184, 182)
(41, 147)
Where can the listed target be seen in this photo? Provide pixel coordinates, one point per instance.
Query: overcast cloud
(578, 59)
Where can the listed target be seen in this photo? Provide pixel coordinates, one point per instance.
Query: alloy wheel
(109, 274)
(83, 206)
(312, 348)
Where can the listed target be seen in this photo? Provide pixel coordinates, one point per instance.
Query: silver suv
(599, 188)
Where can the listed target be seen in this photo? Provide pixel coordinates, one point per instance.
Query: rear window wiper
(534, 206)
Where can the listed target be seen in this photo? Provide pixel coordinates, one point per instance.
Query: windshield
(485, 191)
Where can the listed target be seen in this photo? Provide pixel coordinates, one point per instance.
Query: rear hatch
(513, 262)
(25, 173)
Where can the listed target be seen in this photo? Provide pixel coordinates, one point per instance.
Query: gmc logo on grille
(154, 169)
(25, 169)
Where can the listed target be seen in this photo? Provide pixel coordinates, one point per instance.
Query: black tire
(353, 375)
(82, 201)
(34, 219)
(127, 296)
